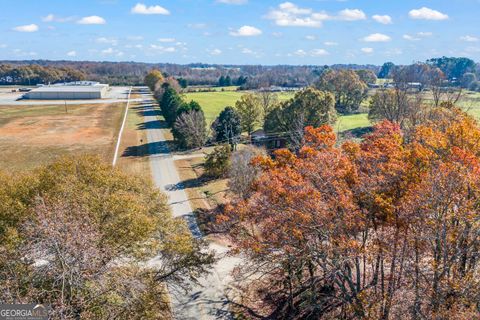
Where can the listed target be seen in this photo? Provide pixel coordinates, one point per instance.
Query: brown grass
(134, 137)
(35, 135)
(202, 192)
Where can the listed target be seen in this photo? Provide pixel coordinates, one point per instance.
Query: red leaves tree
(381, 229)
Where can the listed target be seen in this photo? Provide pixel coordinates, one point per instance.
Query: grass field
(35, 135)
(214, 102)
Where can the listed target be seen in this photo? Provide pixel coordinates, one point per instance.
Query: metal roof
(69, 89)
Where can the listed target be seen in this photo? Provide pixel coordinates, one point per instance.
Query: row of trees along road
(186, 119)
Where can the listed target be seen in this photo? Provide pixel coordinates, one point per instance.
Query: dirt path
(209, 300)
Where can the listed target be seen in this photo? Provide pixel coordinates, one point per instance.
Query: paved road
(207, 301)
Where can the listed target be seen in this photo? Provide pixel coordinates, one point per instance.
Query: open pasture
(214, 102)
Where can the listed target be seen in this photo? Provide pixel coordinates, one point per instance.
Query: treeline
(461, 72)
(247, 76)
(35, 74)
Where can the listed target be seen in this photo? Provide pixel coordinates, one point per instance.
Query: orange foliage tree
(379, 229)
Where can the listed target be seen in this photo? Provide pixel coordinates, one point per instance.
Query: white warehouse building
(69, 91)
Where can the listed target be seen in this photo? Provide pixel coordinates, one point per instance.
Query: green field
(213, 103)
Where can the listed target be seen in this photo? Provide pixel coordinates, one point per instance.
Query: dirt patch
(83, 129)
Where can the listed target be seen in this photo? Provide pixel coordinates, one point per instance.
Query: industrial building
(69, 91)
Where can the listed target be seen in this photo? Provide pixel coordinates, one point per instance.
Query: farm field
(35, 135)
(213, 103)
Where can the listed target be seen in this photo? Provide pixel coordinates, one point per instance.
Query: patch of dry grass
(34, 135)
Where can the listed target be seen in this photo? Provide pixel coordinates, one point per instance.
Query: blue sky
(240, 31)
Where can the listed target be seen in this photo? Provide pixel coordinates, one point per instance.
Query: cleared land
(34, 135)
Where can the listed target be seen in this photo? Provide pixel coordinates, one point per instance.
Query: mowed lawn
(214, 102)
(34, 135)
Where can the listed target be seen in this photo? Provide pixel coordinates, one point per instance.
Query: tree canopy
(346, 85)
(76, 234)
(309, 107)
(227, 127)
(384, 228)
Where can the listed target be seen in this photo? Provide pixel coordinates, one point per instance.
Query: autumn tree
(190, 130)
(309, 107)
(242, 173)
(250, 112)
(153, 78)
(384, 228)
(367, 76)
(346, 85)
(76, 235)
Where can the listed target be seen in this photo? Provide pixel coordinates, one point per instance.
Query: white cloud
(27, 28)
(233, 1)
(367, 50)
(410, 38)
(162, 49)
(383, 19)
(246, 31)
(108, 51)
(215, 52)
(377, 37)
(300, 52)
(424, 34)
(53, 18)
(135, 38)
(311, 53)
(277, 34)
(417, 37)
(104, 40)
(3, 46)
(311, 38)
(48, 18)
(330, 43)
(352, 15)
(166, 40)
(469, 39)
(319, 52)
(112, 51)
(290, 15)
(425, 13)
(72, 53)
(140, 8)
(92, 20)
